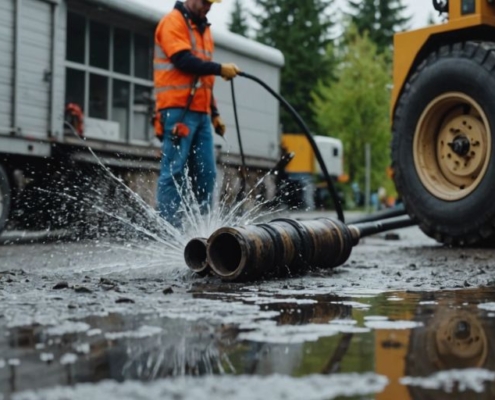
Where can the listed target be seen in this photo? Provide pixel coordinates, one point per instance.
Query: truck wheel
(5, 194)
(443, 147)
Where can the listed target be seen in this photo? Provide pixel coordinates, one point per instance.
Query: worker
(184, 76)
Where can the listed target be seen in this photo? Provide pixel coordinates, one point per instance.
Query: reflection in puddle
(314, 387)
(426, 346)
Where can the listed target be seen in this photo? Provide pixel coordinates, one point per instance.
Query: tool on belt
(180, 129)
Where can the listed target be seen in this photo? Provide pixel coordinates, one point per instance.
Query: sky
(219, 14)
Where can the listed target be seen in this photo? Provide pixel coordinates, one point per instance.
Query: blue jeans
(194, 155)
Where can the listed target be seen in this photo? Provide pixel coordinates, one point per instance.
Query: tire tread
(482, 53)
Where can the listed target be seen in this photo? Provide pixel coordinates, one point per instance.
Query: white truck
(98, 56)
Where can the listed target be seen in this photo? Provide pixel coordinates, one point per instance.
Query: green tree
(238, 20)
(355, 107)
(301, 30)
(380, 18)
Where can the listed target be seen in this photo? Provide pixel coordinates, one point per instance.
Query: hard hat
(215, 1)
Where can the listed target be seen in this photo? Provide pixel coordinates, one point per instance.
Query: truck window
(141, 111)
(142, 57)
(120, 106)
(76, 28)
(99, 45)
(74, 84)
(122, 51)
(109, 75)
(98, 96)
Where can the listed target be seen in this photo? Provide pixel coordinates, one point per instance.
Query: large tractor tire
(5, 198)
(443, 147)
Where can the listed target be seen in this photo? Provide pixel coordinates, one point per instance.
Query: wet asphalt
(403, 318)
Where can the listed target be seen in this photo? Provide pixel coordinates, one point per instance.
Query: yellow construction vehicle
(304, 171)
(443, 118)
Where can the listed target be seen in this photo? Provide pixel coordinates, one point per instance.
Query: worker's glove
(219, 125)
(229, 71)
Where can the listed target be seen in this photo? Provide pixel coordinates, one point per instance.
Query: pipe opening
(225, 254)
(195, 254)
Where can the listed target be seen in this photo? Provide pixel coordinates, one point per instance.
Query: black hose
(307, 133)
(372, 228)
(241, 149)
(379, 215)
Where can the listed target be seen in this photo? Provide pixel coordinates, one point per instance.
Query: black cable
(397, 211)
(307, 133)
(371, 228)
(241, 150)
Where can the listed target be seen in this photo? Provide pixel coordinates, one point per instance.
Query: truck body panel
(443, 123)
(98, 54)
(304, 161)
(409, 46)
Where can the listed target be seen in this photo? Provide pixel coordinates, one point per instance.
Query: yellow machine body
(443, 123)
(411, 47)
(303, 161)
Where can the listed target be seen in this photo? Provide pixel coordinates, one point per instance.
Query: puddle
(249, 342)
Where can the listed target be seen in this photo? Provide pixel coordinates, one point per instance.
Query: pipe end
(226, 253)
(195, 255)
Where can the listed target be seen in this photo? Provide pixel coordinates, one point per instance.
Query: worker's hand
(229, 71)
(219, 125)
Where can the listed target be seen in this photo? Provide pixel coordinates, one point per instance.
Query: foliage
(301, 30)
(355, 108)
(238, 20)
(380, 18)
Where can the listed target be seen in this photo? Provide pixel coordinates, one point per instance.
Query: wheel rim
(460, 341)
(452, 146)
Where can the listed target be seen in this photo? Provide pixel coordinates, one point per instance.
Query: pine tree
(301, 30)
(238, 20)
(380, 18)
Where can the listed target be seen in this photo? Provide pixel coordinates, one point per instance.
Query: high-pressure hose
(398, 211)
(309, 136)
(239, 139)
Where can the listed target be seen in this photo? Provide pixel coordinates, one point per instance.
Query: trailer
(97, 55)
(300, 189)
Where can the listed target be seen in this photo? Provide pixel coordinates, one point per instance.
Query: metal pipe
(242, 253)
(283, 247)
(195, 256)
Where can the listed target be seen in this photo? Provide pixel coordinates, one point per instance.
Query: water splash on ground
(116, 217)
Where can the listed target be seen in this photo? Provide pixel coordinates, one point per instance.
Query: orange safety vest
(172, 87)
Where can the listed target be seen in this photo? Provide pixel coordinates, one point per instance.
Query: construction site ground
(404, 318)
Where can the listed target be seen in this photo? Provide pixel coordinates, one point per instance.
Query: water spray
(282, 247)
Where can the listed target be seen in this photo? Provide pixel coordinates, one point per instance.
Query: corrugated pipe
(282, 247)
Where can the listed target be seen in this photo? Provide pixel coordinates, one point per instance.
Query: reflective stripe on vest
(163, 66)
(159, 53)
